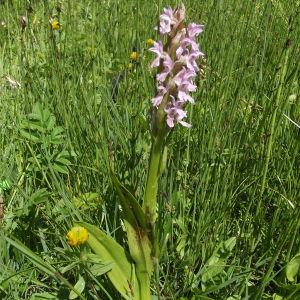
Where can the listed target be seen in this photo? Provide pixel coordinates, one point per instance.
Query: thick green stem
(144, 280)
(149, 204)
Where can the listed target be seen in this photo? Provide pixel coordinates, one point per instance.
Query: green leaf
(5, 185)
(62, 160)
(133, 212)
(214, 267)
(277, 297)
(35, 259)
(40, 263)
(139, 244)
(32, 125)
(69, 267)
(217, 262)
(163, 161)
(30, 136)
(43, 296)
(79, 286)
(201, 298)
(99, 269)
(60, 168)
(38, 197)
(293, 267)
(121, 274)
(88, 200)
(230, 244)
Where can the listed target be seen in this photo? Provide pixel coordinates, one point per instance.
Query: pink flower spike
(177, 61)
(158, 50)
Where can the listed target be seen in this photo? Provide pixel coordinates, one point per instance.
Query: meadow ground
(71, 99)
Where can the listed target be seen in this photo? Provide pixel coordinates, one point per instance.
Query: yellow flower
(134, 56)
(54, 24)
(150, 42)
(130, 66)
(77, 236)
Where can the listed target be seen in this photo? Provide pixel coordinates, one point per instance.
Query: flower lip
(168, 65)
(159, 51)
(194, 30)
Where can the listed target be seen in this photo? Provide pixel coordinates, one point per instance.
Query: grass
(236, 173)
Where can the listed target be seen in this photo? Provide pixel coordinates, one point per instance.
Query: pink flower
(159, 51)
(190, 45)
(188, 59)
(183, 80)
(166, 20)
(168, 66)
(194, 30)
(175, 114)
(159, 97)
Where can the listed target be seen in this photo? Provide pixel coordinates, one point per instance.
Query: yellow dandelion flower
(54, 24)
(77, 236)
(150, 42)
(134, 56)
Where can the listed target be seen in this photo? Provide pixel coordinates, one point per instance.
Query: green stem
(144, 280)
(149, 204)
(272, 127)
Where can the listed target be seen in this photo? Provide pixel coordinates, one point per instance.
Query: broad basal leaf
(122, 273)
(293, 268)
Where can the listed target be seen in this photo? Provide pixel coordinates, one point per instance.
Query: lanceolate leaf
(217, 262)
(140, 250)
(122, 273)
(79, 286)
(136, 228)
(133, 212)
(138, 234)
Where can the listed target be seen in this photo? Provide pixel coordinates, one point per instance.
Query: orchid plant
(177, 52)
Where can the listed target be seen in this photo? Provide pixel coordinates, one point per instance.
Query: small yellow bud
(54, 24)
(134, 56)
(150, 42)
(130, 66)
(77, 236)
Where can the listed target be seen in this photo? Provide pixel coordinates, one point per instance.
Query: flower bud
(23, 23)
